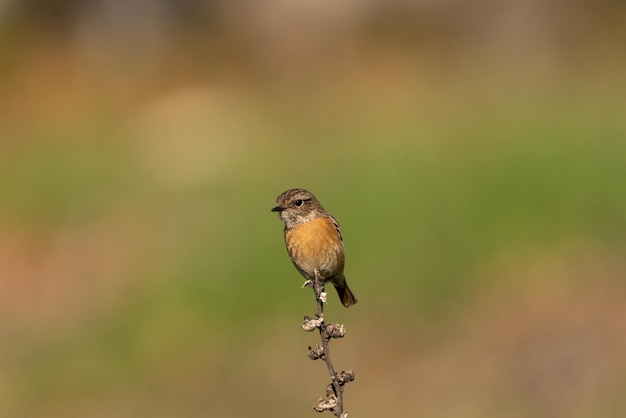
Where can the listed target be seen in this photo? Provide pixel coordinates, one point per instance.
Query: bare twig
(334, 391)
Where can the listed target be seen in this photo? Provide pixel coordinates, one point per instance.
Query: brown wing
(336, 225)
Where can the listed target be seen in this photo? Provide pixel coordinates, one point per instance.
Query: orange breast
(316, 245)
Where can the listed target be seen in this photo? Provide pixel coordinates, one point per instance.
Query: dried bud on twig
(335, 331)
(316, 352)
(310, 324)
(323, 405)
(344, 377)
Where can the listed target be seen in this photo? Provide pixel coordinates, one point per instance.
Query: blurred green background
(474, 154)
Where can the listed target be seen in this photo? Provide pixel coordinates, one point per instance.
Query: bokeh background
(473, 152)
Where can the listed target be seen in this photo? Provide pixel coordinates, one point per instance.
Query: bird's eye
(299, 202)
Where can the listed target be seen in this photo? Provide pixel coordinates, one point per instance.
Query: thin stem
(318, 287)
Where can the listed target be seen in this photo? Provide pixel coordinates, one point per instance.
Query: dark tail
(345, 294)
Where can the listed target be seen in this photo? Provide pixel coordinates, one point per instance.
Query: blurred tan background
(473, 152)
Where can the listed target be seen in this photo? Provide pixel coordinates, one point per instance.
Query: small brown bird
(313, 240)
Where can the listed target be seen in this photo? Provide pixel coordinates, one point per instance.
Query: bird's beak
(277, 209)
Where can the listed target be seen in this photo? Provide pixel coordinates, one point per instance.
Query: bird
(313, 240)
